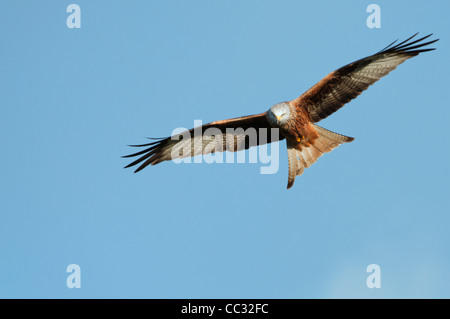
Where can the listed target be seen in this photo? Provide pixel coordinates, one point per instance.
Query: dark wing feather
(237, 134)
(345, 84)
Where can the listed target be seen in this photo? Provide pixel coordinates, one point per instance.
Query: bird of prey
(295, 120)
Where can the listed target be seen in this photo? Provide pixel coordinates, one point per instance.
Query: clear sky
(72, 99)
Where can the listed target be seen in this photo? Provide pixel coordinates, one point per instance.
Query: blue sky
(72, 99)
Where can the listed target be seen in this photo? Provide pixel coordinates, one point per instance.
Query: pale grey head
(279, 114)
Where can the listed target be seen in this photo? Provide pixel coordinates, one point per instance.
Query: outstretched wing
(343, 85)
(226, 135)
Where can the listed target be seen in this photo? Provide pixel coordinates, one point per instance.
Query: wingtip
(143, 165)
(410, 45)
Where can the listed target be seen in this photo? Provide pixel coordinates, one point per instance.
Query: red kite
(295, 119)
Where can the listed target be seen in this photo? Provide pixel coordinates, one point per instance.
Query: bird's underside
(295, 120)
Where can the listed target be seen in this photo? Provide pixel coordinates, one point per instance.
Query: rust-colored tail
(299, 160)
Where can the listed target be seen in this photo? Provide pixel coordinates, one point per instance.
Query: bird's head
(279, 113)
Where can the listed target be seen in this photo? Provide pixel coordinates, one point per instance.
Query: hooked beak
(278, 117)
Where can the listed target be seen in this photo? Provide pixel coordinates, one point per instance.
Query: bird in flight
(295, 120)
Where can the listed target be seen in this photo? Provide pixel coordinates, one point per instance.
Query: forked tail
(299, 160)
